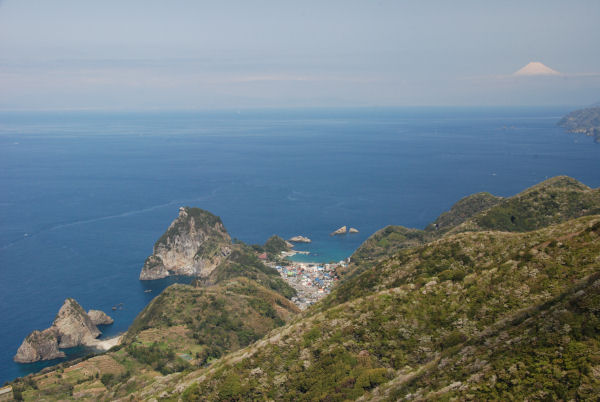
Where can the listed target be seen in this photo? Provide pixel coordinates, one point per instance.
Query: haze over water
(85, 195)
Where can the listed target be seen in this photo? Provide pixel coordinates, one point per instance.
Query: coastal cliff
(194, 244)
(71, 327)
(74, 326)
(39, 345)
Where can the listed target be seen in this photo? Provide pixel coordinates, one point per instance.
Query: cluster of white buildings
(312, 281)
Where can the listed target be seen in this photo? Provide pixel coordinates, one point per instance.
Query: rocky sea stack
(71, 327)
(194, 244)
(99, 317)
(300, 239)
(340, 231)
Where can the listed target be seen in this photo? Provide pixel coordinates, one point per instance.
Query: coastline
(103, 345)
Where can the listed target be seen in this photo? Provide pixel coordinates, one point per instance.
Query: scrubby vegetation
(201, 220)
(274, 245)
(463, 210)
(552, 201)
(383, 243)
(473, 314)
(243, 262)
(403, 318)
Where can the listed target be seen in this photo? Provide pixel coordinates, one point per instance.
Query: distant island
(586, 121)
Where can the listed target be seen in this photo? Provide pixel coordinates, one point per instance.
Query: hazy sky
(140, 54)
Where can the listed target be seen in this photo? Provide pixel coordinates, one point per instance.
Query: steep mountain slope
(553, 201)
(413, 311)
(243, 262)
(183, 328)
(473, 314)
(550, 353)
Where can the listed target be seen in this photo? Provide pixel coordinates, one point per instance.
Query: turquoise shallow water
(85, 195)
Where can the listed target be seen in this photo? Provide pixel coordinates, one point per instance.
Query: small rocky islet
(71, 327)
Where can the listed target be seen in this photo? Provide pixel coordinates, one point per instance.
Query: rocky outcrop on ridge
(99, 317)
(71, 327)
(194, 244)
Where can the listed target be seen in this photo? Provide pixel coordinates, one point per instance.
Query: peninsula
(585, 121)
(195, 243)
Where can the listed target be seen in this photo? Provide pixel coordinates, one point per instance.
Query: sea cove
(86, 195)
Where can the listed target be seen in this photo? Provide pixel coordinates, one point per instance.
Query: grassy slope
(552, 201)
(384, 332)
(243, 262)
(181, 329)
(398, 320)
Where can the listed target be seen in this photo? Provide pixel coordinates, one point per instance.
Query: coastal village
(312, 280)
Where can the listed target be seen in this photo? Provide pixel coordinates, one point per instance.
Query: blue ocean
(84, 195)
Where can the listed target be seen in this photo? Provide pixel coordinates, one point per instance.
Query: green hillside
(242, 262)
(553, 201)
(476, 309)
(397, 322)
(183, 328)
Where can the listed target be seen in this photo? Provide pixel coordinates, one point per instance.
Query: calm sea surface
(83, 196)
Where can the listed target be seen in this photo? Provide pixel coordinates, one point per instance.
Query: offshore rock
(353, 230)
(99, 317)
(194, 244)
(39, 345)
(74, 326)
(71, 327)
(340, 231)
(300, 239)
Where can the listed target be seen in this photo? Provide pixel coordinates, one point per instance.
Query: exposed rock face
(39, 345)
(194, 244)
(340, 231)
(300, 239)
(99, 317)
(74, 326)
(71, 327)
(353, 230)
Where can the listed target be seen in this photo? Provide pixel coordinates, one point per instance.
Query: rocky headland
(195, 243)
(71, 327)
(585, 121)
